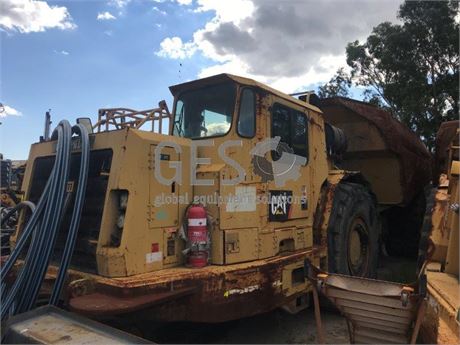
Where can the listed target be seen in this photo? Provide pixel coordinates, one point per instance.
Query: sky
(75, 57)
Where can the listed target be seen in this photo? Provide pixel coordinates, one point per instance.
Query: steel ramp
(376, 311)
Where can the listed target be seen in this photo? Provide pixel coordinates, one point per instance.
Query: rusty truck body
(442, 321)
(129, 257)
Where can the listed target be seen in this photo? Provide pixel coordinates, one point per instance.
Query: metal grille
(84, 257)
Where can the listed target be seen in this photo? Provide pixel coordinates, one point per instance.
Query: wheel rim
(358, 248)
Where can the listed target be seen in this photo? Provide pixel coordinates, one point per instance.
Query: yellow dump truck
(280, 180)
(442, 321)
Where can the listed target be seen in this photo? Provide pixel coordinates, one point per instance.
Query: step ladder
(376, 311)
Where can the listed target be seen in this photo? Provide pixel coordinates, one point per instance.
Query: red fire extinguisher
(198, 259)
(197, 233)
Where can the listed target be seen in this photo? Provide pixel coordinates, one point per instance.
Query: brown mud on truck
(292, 180)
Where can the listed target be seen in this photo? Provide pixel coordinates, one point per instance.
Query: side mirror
(86, 121)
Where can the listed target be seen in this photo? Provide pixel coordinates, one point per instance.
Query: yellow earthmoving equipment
(274, 179)
(393, 161)
(442, 322)
(11, 174)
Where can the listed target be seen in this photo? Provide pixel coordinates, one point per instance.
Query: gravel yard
(277, 327)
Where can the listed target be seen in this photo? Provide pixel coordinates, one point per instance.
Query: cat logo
(280, 205)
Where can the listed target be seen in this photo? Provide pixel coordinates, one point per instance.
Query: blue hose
(75, 221)
(52, 218)
(44, 225)
(22, 204)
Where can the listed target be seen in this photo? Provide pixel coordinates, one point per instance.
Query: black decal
(279, 205)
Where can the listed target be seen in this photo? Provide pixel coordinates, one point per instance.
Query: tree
(413, 68)
(339, 85)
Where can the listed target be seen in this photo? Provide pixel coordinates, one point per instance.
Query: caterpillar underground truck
(213, 220)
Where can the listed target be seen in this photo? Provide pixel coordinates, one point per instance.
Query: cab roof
(225, 77)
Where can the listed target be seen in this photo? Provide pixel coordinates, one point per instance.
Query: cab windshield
(205, 112)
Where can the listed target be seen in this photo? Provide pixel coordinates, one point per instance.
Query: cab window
(247, 116)
(292, 127)
(205, 112)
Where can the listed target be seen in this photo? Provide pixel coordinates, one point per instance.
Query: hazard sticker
(153, 257)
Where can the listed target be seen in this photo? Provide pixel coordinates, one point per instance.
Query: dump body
(388, 154)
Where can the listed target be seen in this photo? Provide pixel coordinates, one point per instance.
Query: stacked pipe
(43, 226)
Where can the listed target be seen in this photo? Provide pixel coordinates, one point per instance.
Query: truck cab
(262, 155)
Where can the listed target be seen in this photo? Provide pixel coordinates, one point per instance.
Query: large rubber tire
(353, 232)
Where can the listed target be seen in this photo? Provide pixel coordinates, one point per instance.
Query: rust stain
(229, 292)
(99, 304)
(439, 325)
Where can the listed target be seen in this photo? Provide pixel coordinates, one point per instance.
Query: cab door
(288, 193)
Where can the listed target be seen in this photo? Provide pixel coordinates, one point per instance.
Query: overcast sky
(77, 56)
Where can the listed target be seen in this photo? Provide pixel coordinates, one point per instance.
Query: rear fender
(326, 201)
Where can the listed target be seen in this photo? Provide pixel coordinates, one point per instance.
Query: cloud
(174, 48)
(62, 52)
(217, 128)
(156, 9)
(119, 3)
(287, 44)
(33, 16)
(180, 2)
(105, 16)
(6, 110)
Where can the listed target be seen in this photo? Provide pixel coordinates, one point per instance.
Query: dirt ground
(276, 327)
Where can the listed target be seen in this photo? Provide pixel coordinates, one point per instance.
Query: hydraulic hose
(44, 225)
(52, 216)
(22, 288)
(30, 227)
(75, 221)
(19, 206)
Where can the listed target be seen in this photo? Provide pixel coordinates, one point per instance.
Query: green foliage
(412, 68)
(339, 85)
